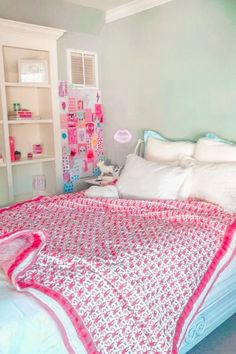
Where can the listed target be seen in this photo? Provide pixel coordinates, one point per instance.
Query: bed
(108, 299)
(25, 317)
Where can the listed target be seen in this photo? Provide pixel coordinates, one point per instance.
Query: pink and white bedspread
(127, 273)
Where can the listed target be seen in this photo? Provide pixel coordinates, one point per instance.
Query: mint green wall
(171, 68)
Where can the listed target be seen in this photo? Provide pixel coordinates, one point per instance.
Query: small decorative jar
(17, 155)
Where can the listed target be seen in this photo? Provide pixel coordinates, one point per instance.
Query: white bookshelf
(29, 121)
(20, 41)
(18, 84)
(25, 161)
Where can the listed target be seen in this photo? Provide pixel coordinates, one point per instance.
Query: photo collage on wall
(82, 122)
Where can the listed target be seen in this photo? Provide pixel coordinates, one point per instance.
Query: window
(82, 68)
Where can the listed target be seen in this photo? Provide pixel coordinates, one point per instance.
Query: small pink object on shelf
(37, 149)
(25, 114)
(29, 155)
(12, 148)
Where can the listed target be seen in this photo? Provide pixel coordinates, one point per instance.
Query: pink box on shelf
(37, 149)
(24, 114)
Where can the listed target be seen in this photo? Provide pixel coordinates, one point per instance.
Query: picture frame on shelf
(33, 71)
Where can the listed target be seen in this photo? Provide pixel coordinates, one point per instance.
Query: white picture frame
(33, 71)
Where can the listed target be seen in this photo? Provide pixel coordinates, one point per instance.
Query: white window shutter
(77, 69)
(82, 68)
(90, 70)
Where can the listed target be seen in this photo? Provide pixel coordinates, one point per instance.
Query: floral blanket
(126, 272)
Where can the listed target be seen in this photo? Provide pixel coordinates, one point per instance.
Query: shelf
(16, 177)
(25, 161)
(22, 197)
(19, 84)
(30, 121)
(27, 196)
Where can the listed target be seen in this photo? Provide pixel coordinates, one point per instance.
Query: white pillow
(215, 183)
(142, 179)
(102, 192)
(209, 150)
(159, 150)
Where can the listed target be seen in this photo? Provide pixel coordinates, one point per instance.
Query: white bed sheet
(26, 327)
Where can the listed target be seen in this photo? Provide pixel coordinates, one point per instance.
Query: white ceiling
(100, 4)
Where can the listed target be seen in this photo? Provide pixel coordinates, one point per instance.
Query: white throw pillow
(209, 150)
(160, 150)
(215, 183)
(102, 192)
(142, 179)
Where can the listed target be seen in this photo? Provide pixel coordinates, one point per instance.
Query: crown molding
(22, 27)
(131, 8)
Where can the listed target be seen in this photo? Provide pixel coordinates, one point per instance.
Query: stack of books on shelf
(21, 114)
